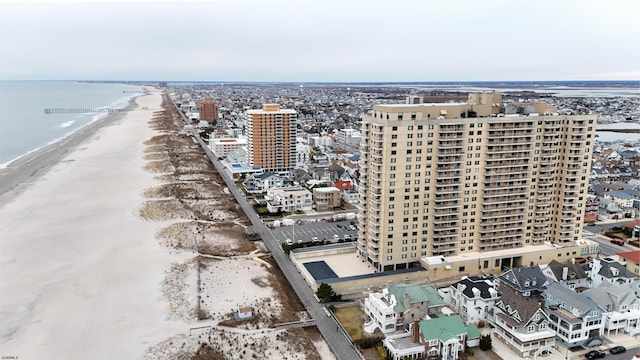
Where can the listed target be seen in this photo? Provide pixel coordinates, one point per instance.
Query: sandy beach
(80, 272)
(121, 242)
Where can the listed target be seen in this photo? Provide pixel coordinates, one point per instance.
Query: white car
(288, 242)
(299, 241)
(315, 239)
(347, 237)
(336, 237)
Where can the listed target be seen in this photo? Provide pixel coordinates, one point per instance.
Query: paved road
(606, 247)
(338, 342)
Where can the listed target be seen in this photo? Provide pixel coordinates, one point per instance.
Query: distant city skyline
(320, 41)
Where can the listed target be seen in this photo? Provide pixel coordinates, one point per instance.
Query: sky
(321, 40)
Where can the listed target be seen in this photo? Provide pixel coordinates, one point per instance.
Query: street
(339, 343)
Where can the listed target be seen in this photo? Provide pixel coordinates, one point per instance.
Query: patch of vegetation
(485, 342)
(352, 319)
(326, 294)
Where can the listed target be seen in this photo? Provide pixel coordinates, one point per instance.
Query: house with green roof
(395, 308)
(437, 338)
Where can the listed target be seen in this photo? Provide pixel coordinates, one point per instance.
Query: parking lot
(322, 230)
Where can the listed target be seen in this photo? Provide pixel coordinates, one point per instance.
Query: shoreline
(20, 173)
(77, 259)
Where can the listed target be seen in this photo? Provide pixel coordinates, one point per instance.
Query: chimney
(542, 303)
(415, 331)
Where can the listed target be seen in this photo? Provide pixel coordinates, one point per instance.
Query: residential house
(569, 275)
(522, 325)
(591, 209)
(398, 305)
(289, 199)
(610, 270)
(576, 319)
(268, 180)
(471, 297)
(632, 260)
(529, 281)
(439, 338)
(326, 198)
(622, 307)
(621, 198)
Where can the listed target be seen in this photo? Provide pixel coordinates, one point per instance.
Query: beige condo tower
(447, 179)
(271, 134)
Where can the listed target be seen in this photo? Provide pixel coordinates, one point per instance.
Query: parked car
(338, 225)
(617, 242)
(299, 241)
(351, 227)
(617, 349)
(336, 237)
(347, 237)
(315, 239)
(595, 354)
(288, 242)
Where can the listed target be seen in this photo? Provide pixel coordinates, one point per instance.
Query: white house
(622, 307)
(397, 306)
(576, 319)
(289, 199)
(471, 297)
(522, 325)
(609, 270)
(571, 276)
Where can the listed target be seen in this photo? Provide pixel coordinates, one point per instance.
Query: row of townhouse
(529, 309)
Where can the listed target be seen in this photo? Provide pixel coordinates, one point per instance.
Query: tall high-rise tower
(208, 111)
(451, 178)
(271, 132)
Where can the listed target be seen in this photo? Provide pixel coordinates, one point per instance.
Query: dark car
(617, 349)
(617, 242)
(595, 354)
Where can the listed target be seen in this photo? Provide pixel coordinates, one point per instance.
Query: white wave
(66, 124)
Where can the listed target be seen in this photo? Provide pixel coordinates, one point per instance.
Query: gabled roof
(265, 175)
(613, 269)
(631, 256)
(416, 294)
(574, 271)
(481, 285)
(570, 298)
(442, 328)
(610, 295)
(524, 278)
(517, 310)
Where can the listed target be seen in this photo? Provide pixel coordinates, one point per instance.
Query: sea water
(24, 126)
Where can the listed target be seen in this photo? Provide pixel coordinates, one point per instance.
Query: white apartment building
(452, 178)
(289, 199)
(221, 147)
(347, 138)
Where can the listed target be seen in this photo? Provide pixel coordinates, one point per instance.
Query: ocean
(24, 126)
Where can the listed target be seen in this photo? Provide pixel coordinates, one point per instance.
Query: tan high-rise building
(271, 132)
(208, 111)
(451, 178)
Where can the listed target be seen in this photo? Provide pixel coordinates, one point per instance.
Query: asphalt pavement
(338, 342)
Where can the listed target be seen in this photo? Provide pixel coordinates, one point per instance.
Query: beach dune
(80, 271)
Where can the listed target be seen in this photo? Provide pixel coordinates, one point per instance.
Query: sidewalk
(561, 352)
